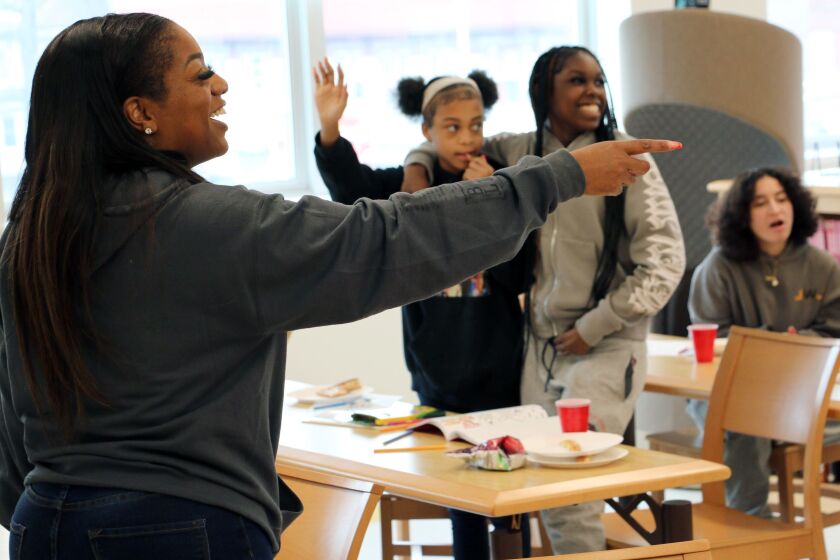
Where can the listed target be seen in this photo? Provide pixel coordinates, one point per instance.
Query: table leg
(672, 518)
(676, 521)
(629, 439)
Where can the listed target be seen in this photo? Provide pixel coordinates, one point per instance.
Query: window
(248, 45)
(436, 37)
(433, 38)
(9, 132)
(817, 24)
(263, 48)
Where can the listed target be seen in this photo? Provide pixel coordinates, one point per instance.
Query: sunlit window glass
(245, 42)
(377, 43)
(817, 24)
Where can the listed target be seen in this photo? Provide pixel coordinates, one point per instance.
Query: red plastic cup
(574, 414)
(703, 336)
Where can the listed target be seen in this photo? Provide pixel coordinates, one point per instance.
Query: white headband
(441, 83)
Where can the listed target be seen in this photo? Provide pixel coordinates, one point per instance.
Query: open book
(474, 427)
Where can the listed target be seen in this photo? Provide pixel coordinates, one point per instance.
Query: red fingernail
(679, 145)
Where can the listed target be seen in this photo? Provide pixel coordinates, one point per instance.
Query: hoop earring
(148, 131)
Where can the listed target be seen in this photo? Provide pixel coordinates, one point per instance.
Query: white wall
(370, 349)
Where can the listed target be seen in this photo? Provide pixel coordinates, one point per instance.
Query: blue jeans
(60, 522)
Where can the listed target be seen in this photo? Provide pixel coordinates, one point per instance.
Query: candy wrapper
(498, 454)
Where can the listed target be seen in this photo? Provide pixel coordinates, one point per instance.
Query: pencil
(333, 404)
(396, 427)
(395, 438)
(418, 448)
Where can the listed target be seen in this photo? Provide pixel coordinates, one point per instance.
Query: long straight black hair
(77, 138)
(540, 90)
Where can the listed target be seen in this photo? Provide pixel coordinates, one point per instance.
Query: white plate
(309, 395)
(549, 447)
(608, 456)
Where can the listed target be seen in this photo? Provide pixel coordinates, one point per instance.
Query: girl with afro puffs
(463, 347)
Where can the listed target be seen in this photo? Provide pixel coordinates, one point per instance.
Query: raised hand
(478, 168)
(608, 166)
(330, 100)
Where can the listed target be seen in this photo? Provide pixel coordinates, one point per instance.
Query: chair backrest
(776, 386)
(336, 515)
(687, 550)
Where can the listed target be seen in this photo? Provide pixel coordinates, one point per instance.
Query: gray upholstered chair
(716, 145)
(729, 88)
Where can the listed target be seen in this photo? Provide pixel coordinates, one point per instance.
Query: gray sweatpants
(747, 457)
(612, 376)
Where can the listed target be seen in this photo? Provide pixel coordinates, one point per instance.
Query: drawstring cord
(549, 367)
(549, 343)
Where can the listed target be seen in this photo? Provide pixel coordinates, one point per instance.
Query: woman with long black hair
(144, 310)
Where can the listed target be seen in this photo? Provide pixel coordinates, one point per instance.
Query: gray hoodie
(651, 255)
(806, 294)
(194, 288)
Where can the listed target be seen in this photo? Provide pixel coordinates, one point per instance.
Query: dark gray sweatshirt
(800, 288)
(194, 288)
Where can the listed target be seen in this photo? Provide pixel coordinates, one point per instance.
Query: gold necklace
(772, 272)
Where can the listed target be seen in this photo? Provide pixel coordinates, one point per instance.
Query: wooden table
(432, 477)
(672, 373)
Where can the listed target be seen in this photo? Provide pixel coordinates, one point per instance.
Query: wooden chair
(399, 543)
(687, 550)
(788, 459)
(768, 385)
(336, 515)
(402, 510)
(785, 460)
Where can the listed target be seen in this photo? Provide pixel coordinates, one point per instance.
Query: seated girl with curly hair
(764, 274)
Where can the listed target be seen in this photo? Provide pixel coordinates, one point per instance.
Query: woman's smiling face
(184, 121)
(578, 97)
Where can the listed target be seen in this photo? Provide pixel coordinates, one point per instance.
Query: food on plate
(583, 459)
(340, 389)
(570, 445)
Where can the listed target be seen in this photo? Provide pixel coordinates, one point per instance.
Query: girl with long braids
(463, 346)
(605, 267)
